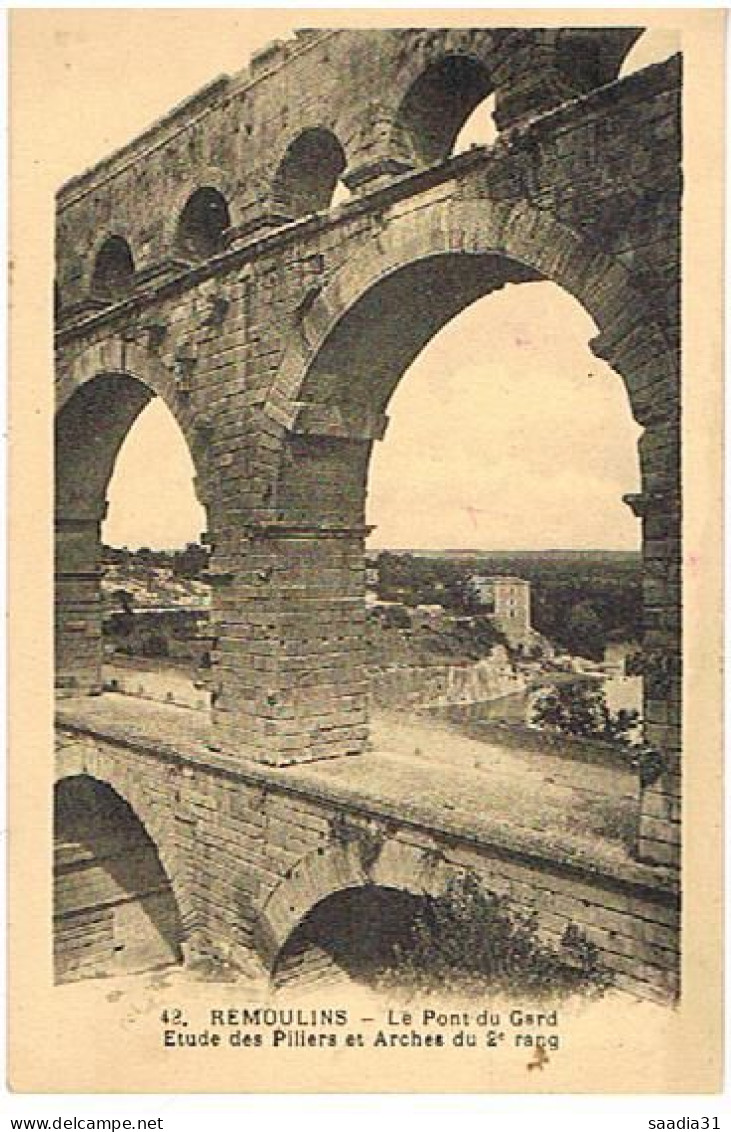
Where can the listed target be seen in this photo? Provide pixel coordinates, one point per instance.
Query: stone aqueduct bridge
(203, 264)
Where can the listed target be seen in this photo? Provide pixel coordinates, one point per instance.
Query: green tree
(585, 630)
(581, 710)
(471, 940)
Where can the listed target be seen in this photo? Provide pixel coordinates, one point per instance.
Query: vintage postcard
(376, 745)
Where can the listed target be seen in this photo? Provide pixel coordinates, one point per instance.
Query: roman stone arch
(202, 223)
(113, 271)
(337, 868)
(534, 245)
(307, 172)
(110, 236)
(117, 354)
(92, 762)
(447, 73)
(100, 395)
(330, 398)
(412, 119)
(200, 177)
(122, 854)
(439, 102)
(330, 385)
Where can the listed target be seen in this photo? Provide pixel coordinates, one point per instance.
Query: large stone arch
(100, 394)
(117, 354)
(152, 880)
(334, 869)
(327, 412)
(329, 401)
(521, 233)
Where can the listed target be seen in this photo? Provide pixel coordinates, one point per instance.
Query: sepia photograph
(376, 610)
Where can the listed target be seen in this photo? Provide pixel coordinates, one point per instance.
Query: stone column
(78, 608)
(289, 684)
(659, 509)
(377, 154)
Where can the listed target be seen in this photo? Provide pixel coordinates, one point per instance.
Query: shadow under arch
(204, 219)
(355, 933)
(113, 272)
(115, 903)
(308, 174)
(79, 762)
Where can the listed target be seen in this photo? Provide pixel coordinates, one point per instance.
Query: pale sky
(507, 433)
(490, 444)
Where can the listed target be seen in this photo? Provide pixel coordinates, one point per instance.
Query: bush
(577, 709)
(471, 940)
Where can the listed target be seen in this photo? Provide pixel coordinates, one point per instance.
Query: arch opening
(546, 478)
(479, 128)
(354, 935)
(439, 104)
(156, 603)
(202, 224)
(308, 177)
(114, 270)
(506, 432)
(89, 432)
(151, 495)
(114, 907)
(91, 429)
(456, 293)
(501, 539)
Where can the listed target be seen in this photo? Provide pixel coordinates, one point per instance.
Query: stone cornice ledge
(532, 849)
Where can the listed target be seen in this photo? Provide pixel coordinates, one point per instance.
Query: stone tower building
(507, 602)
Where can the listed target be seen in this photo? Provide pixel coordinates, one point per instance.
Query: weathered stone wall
(363, 90)
(249, 854)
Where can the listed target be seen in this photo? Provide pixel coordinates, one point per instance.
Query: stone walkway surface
(426, 773)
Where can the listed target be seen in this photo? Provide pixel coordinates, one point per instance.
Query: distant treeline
(580, 599)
